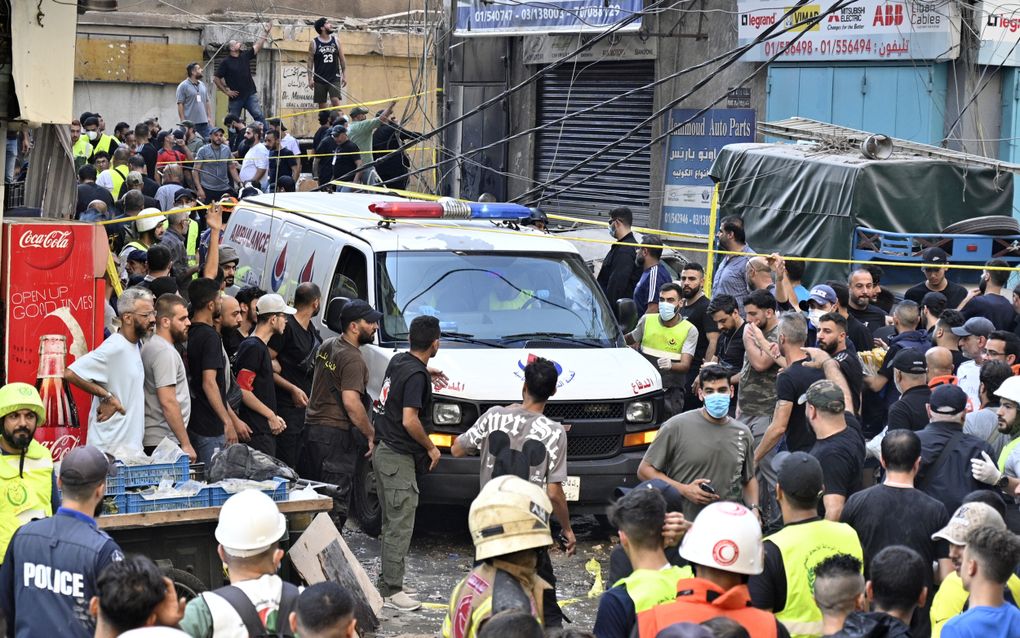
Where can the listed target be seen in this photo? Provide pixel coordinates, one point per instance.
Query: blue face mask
(667, 311)
(717, 405)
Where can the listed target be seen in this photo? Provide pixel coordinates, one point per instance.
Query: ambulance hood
(585, 374)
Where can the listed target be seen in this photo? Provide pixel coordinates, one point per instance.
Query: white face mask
(92, 135)
(814, 315)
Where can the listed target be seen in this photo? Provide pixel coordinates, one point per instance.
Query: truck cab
(503, 293)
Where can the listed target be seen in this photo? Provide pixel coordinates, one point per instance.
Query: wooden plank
(202, 514)
(103, 60)
(321, 554)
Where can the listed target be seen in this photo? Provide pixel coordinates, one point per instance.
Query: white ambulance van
(503, 293)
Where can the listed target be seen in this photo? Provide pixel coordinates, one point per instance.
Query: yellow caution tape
(595, 569)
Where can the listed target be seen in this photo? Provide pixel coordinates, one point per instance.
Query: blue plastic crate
(114, 504)
(115, 484)
(218, 496)
(148, 475)
(138, 505)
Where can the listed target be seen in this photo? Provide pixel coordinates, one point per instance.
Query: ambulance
(503, 292)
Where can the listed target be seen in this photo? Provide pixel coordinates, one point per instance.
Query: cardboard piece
(321, 554)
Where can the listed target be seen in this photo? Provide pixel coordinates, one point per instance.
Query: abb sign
(891, 15)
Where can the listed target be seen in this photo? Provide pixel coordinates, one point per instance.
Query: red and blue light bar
(449, 208)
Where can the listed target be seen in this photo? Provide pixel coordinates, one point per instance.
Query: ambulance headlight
(639, 412)
(446, 414)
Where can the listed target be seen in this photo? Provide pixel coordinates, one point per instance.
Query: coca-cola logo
(46, 249)
(62, 445)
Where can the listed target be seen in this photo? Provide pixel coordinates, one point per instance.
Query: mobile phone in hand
(707, 487)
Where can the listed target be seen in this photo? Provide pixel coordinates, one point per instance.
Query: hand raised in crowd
(214, 216)
(170, 610)
(695, 494)
(674, 528)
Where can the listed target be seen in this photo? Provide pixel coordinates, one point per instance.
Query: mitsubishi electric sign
(898, 30)
(523, 17)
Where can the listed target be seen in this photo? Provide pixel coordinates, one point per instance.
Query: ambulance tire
(998, 225)
(365, 507)
(188, 585)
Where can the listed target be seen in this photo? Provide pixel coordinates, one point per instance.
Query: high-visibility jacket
(658, 340)
(86, 148)
(803, 546)
(650, 587)
(1004, 455)
(472, 600)
(698, 600)
(118, 174)
(26, 496)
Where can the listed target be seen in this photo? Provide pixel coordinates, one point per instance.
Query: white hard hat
(249, 524)
(509, 515)
(1010, 389)
(148, 223)
(725, 536)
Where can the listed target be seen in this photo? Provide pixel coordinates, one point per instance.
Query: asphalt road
(441, 554)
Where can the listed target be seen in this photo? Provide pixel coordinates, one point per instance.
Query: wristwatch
(1003, 483)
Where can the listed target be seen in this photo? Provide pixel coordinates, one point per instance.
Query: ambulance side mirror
(627, 313)
(333, 310)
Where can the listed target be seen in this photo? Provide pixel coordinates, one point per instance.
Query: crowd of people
(833, 460)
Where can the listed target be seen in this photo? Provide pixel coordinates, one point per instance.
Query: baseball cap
(138, 255)
(228, 254)
(948, 399)
(820, 294)
(910, 360)
(134, 179)
(183, 193)
(966, 519)
(179, 133)
(272, 304)
(799, 474)
(148, 223)
(674, 500)
(934, 300)
(975, 326)
(187, 124)
(935, 255)
(359, 110)
(86, 464)
(216, 130)
(824, 395)
(359, 309)
(337, 130)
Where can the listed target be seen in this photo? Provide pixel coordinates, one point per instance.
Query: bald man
(940, 366)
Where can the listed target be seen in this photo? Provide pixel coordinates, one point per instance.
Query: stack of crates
(145, 476)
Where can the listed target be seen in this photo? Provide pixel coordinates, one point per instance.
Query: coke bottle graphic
(62, 431)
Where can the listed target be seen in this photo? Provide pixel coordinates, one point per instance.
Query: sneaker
(401, 602)
(410, 590)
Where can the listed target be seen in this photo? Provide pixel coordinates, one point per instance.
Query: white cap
(271, 304)
(148, 223)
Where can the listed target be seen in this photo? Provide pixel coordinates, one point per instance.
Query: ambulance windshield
(495, 299)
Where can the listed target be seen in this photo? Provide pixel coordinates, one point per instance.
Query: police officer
(49, 572)
(26, 471)
(509, 523)
(784, 587)
(724, 546)
(338, 406)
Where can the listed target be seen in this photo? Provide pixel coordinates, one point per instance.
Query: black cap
(86, 465)
(910, 360)
(184, 193)
(674, 500)
(935, 255)
(215, 130)
(359, 309)
(337, 130)
(799, 474)
(934, 300)
(948, 399)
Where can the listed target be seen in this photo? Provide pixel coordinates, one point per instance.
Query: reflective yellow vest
(659, 340)
(803, 546)
(651, 587)
(87, 149)
(191, 245)
(82, 148)
(951, 598)
(25, 497)
(118, 176)
(1004, 455)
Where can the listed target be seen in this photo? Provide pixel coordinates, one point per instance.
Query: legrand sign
(904, 30)
(1000, 33)
(521, 17)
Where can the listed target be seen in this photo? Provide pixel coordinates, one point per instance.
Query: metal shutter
(561, 146)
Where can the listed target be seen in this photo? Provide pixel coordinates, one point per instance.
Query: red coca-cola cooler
(53, 291)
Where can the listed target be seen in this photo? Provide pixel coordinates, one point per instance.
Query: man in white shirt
(113, 374)
(167, 395)
(973, 337)
(255, 168)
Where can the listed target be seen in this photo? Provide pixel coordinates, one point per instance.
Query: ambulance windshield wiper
(466, 338)
(551, 336)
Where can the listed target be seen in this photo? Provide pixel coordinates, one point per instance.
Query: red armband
(246, 380)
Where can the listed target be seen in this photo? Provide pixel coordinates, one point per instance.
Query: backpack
(250, 616)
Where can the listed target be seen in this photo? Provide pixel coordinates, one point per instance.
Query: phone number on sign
(845, 47)
(800, 47)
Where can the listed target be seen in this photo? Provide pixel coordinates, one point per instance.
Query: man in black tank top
(327, 67)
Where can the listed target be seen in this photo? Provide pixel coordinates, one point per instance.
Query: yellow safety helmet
(22, 396)
(509, 515)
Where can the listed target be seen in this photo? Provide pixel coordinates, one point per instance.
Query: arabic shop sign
(689, 156)
(1000, 33)
(295, 93)
(898, 30)
(521, 17)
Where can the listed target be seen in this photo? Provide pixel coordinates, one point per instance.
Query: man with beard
(51, 565)
(1004, 474)
(247, 297)
(255, 374)
(295, 352)
(327, 66)
(193, 103)
(338, 405)
(861, 285)
(228, 262)
(832, 338)
(167, 395)
(729, 349)
(114, 375)
(653, 277)
(26, 467)
(694, 308)
(729, 278)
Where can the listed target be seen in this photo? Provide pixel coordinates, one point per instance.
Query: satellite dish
(877, 147)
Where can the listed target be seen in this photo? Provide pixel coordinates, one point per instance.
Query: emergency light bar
(449, 208)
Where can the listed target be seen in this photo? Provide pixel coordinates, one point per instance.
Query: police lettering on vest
(54, 580)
